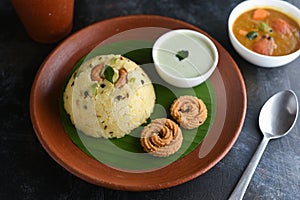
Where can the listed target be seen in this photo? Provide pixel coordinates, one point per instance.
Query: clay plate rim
(46, 122)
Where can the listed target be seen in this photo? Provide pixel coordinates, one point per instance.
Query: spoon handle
(244, 181)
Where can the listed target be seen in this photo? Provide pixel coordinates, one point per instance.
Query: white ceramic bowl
(250, 56)
(191, 71)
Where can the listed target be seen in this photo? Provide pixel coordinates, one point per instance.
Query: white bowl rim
(202, 36)
(261, 3)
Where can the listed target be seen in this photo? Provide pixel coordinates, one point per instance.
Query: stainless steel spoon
(277, 117)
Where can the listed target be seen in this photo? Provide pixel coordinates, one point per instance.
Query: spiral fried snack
(189, 111)
(161, 138)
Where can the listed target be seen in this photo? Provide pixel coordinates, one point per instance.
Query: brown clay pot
(46, 21)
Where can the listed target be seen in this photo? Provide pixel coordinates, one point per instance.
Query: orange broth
(285, 43)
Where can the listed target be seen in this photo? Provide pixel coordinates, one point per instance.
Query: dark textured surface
(28, 172)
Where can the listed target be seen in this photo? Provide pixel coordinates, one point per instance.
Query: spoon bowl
(278, 115)
(276, 119)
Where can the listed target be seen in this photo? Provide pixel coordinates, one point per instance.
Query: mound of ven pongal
(108, 96)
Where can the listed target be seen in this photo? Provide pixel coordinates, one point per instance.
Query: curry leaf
(252, 35)
(108, 73)
(182, 55)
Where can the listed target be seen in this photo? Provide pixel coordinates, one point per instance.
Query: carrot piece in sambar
(243, 32)
(260, 14)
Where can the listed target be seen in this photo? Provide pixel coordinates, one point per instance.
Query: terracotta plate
(230, 110)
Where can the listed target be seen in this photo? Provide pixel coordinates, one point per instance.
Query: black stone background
(28, 172)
